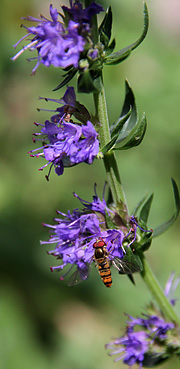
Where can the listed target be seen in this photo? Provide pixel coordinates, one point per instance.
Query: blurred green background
(44, 323)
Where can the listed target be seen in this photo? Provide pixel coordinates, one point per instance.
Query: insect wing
(125, 267)
(78, 276)
(129, 264)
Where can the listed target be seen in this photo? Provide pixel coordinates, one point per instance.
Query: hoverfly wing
(77, 277)
(126, 267)
(74, 279)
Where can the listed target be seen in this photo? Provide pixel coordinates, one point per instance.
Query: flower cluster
(57, 44)
(76, 233)
(148, 340)
(64, 142)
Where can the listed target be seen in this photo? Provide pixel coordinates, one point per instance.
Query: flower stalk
(114, 181)
(113, 176)
(162, 301)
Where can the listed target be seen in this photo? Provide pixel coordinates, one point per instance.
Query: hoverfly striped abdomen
(101, 259)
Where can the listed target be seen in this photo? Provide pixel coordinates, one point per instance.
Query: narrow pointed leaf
(85, 82)
(117, 127)
(68, 77)
(144, 214)
(127, 126)
(109, 145)
(164, 226)
(82, 113)
(129, 104)
(115, 133)
(117, 57)
(136, 137)
(105, 28)
(109, 223)
(110, 47)
(133, 260)
(131, 278)
(120, 55)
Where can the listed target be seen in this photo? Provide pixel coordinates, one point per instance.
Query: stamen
(24, 49)
(47, 176)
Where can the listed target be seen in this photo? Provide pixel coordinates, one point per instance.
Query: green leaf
(117, 57)
(144, 214)
(85, 82)
(128, 130)
(110, 47)
(109, 145)
(132, 261)
(68, 76)
(164, 226)
(121, 55)
(105, 28)
(128, 118)
(81, 113)
(109, 222)
(137, 135)
(117, 127)
(131, 278)
(129, 123)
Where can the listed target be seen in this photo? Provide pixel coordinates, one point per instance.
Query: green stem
(114, 181)
(110, 163)
(153, 285)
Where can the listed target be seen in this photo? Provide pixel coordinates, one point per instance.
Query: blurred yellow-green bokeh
(43, 323)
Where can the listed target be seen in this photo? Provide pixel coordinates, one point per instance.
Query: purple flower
(156, 326)
(131, 347)
(65, 143)
(88, 147)
(96, 205)
(170, 288)
(145, 339)
(76, 233)
(55, 44)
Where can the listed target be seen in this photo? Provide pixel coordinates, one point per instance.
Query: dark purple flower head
(65, 143)
(75, 237)
(80, 15)
(55, 44)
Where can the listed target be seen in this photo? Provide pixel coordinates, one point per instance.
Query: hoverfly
(128, 265)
